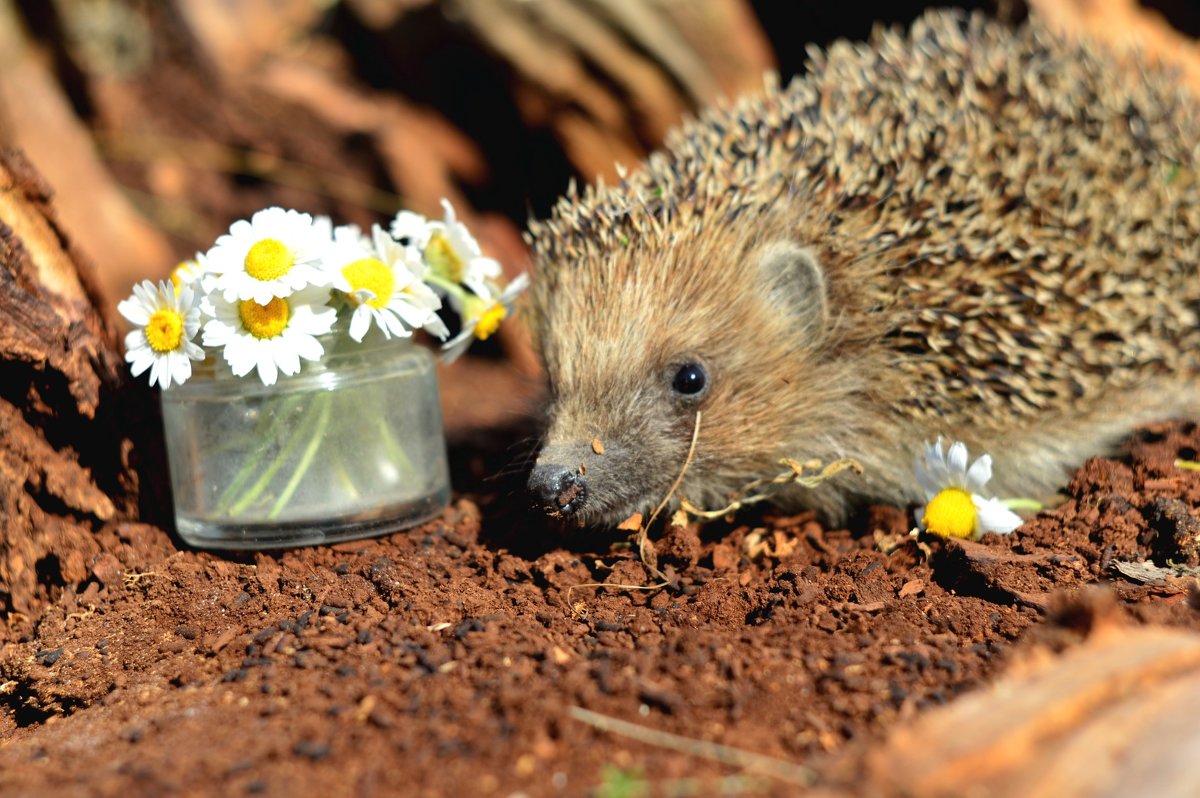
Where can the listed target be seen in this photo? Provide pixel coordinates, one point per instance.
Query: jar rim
(342, 359)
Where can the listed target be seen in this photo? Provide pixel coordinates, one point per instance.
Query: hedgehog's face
(639, 346)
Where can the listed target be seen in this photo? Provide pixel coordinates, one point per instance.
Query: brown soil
(445, 660)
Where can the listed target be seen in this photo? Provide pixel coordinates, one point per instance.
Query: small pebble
(313, 750)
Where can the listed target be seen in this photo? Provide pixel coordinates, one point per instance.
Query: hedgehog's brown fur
(1009, 230)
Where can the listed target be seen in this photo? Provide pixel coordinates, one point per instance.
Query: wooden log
(1113, 716)
(36, 116)
(65, 445)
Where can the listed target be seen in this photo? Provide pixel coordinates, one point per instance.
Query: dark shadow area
(431, 60)
(790, 26)
(490, 466)
(1183, 15)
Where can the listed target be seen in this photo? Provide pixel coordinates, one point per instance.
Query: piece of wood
(65, 444)
(1110, 717)
(36, 116)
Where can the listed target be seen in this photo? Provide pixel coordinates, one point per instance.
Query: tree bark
(65, 457)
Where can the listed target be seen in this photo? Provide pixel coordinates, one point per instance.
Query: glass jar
(350, 447)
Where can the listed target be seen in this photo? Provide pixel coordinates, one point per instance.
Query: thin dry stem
(780, 769)
(675, 486)
(794, 475)
(643, 533)
(618, 586)
(643, 536)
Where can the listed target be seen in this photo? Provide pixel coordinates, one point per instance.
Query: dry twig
(794, 475)
(780, 769)
(648, 560)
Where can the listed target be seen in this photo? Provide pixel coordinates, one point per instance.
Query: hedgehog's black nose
(561, 490)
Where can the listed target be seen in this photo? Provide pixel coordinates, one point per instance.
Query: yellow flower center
(489, 322)
(164, 331)
(264, 321)
(442, 258)
(951, 514)
(181, 273)
(269, 259)
(374, 276)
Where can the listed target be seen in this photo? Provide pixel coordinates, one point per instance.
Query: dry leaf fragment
(725, 557)
(631, 524)
(777, 546)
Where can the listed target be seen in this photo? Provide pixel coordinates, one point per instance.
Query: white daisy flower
(187, 272)
(271, 337)
(167, 321)
(349, 235)
(482, 317)
(382, 280)
(411, 230)
(454, 257)
(955, 506)
(272, 255)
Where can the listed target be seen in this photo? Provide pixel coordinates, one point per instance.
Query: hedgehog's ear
(796, 282)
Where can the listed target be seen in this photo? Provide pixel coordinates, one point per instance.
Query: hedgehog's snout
(561, 490)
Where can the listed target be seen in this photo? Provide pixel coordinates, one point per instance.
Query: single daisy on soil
(382, 282)
(275, 253)
(455, 259)
(482, 316)
(955, 505)
(167, 320)
(271, 337)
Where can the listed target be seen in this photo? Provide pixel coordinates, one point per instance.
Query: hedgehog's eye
(690, 380)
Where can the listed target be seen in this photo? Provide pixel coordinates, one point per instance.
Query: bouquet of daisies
(269, 290)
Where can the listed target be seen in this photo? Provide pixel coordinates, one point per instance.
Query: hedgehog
(966, 230)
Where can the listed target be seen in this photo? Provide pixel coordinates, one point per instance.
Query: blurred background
(158, 122)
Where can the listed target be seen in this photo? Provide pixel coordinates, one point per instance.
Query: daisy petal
(308, 347)
(267, 371)
(360, 322)
(158, 372)
(394, 325)
(140, 360)
(287, 359)
(995, 517)
(979, 474)
(956, 460)
(134, 311)
(435, 326)
(181, 368)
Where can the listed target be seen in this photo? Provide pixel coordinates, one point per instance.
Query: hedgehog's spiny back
(1029, 214)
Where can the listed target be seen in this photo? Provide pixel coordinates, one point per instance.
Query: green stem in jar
(395, 451)
(343, 476)
(253, 463)
(269, 473)
(306, 459)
